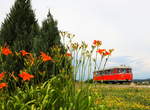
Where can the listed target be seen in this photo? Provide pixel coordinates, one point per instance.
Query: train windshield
(123, 70)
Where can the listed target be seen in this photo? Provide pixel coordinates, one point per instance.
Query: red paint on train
(120, 73)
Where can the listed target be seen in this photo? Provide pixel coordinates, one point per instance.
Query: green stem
(105, 62)
(100, 62)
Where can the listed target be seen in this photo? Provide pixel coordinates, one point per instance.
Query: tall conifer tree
(20, 26)
(49, 32)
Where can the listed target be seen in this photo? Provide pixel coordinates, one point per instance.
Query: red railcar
(114, 74)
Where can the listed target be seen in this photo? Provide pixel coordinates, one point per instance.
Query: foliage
(33, 67)
(58, 93)
(49, 33)
(49, 36)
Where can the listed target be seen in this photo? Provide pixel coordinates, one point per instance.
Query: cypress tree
(49, 32)
(20, 26)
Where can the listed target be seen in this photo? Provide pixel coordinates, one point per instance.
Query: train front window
(99, 73)
(128, 70)
(124, 71)
(106, 72)
(109, 71)
(119, 70)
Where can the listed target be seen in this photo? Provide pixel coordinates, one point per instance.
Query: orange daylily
(6, 51)
(23, 52)
(2, 75)
(25, 76)
(101, 51)
(107, 53)
(68, 54)
(2, 85)
(97, 43)
(45, 57)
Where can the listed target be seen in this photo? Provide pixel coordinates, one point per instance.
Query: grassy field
(122, 97)
(52, 95)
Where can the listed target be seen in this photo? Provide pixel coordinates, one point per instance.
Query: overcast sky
(120, 24)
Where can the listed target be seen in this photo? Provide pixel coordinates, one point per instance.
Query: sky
(120, 24)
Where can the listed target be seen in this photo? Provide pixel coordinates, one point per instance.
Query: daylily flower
(68, 54)
(45, 57)
(83, 45)
(2, 75)
(101, 51)
(25, 76)
(97, 43)
(107, 53)
(23, 52)
(75, 46)
(6, 51)
(2, 85)
(111, 50)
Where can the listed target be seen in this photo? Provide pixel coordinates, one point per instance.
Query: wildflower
(101, 51)
(97, 43)
(88, 53)
(107, 53)
(84, 45)
(75, 46)
(111, 50)
(68, 54)
(2, 75)
(25, 76)
(23, 52)
(45, 57)
(63, 34)
(2, 85)
(6, 51)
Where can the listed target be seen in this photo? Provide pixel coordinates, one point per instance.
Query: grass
(55, 95)
(122, 98)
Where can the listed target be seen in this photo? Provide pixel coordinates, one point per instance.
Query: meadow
(122, 97)
(52, 95)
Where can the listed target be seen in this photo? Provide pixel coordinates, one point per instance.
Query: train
(117, 74)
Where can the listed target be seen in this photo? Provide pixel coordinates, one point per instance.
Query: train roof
(121, 66)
